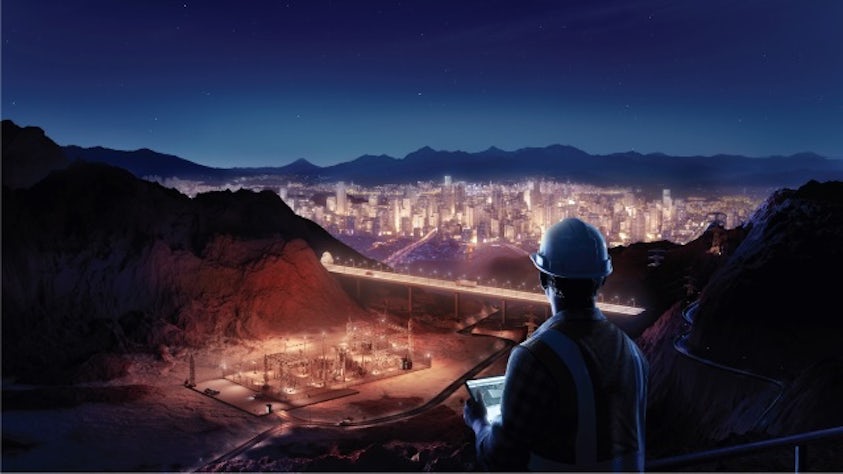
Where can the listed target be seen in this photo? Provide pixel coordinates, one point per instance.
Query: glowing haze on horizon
(265, 83)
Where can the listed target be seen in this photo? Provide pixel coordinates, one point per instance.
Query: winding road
(679, 345)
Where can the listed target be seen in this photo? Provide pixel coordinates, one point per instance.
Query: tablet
(491, 389)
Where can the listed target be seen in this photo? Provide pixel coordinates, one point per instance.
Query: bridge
(460, 287)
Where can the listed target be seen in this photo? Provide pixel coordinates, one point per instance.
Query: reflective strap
(568, 351)
(640, 417)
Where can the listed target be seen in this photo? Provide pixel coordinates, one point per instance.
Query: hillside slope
(28, 155)
(765, 347)
(96, 260)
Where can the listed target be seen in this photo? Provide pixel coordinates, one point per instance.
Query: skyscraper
(667, 202)
(342, 199)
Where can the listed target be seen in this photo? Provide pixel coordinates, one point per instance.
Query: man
(575, 392)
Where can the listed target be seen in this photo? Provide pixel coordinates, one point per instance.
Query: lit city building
(514, 212)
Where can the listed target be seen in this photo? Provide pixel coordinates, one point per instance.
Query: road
(476, 290)
(396, 256)
(679, 345)
(242, 448)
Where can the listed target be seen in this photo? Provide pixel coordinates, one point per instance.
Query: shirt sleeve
(527, 408)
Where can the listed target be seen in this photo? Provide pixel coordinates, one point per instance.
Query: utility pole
(191, 381)
(410, 339)
(324, 363)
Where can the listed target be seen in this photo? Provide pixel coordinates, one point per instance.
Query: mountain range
(557, 162)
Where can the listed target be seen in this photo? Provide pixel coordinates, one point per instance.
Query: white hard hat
(572, 248)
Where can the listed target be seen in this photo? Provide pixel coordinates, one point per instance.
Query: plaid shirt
(531, 410)
(528, 395)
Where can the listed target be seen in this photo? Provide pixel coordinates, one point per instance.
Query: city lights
(513, 212)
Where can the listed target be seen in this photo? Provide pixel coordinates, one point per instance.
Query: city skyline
(515, 212)
(267, 84)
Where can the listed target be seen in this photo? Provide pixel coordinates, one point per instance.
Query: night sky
(254, 83)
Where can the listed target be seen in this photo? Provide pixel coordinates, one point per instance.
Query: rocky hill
(28, 155)
(780, 279)
(764, 348)
(96, 261)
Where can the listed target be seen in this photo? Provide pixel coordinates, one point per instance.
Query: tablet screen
(491, 389)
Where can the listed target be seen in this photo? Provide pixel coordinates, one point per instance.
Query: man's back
(574, 395)
(617, 373)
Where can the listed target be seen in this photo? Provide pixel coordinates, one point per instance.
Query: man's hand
(474, 413)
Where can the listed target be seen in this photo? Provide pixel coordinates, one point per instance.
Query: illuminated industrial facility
(310, 366)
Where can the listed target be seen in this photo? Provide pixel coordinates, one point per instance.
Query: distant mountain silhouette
(145, 162)
(300, 166)
(558, 162)
(28, 155)
(367, 169)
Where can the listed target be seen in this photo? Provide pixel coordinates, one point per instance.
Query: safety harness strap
(569, 354)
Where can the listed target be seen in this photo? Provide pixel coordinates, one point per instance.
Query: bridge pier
(456, 305)
(503, 313)
(409, 301)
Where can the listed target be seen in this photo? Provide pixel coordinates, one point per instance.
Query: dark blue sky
(251, 83)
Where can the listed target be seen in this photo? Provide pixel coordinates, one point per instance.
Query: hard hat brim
(543, 265)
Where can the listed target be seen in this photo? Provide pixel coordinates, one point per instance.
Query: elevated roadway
(460, 287)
